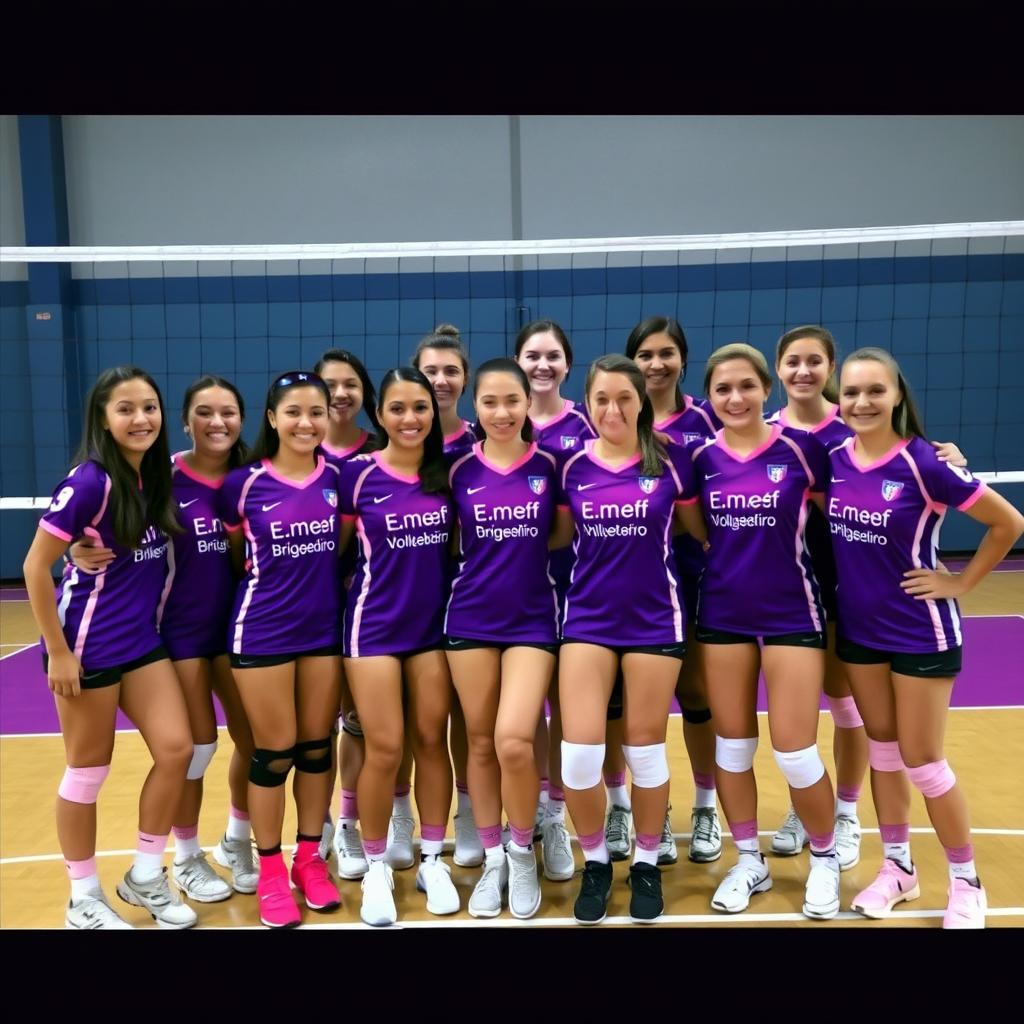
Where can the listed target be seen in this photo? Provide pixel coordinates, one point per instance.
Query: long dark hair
(906, 420)
(544, 327)
(267, 440)
(652, 454)
(342, 355)
(823, 336)
(132, 509)
(444, 336)
(661, 325)
(239, 451)
(433, 469)
(503, 365)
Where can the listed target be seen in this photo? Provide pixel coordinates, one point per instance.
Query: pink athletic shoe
(892, 885)
(277, 905)
(310, 877)
(967, 905)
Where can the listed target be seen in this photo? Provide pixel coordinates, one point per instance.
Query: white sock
(847, 807)
(899, 852)
(555, 811)
(463, 804)
(641, 856)
(185, 848)
(704, 798)
(966, 871)
(401, 807)
(147, 866)
(599, 853)
(495, 854)
(542, 801)
(516, 848)
(238, 828)
(619, 796)
(749, 847)
(431, 848)
(82, 887)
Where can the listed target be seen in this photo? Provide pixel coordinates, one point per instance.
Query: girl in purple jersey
(442, 359)
(397, 501)
(192, 618)
(755, 480)
(899, 625)
(284, 648)
(102, 648)
(560, 427)
(502, 654)
(805, 363)
(622, 610)
(352, 392)
(658, 346)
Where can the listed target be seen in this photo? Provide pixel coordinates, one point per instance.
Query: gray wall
(12, 219)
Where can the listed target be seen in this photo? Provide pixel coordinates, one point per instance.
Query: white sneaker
(159, 899)
(821, 897)
(198, 881)
(488, 892)
(556, 851)
(848, 841)
(523, 884)
(237, 854)
(616, 832)
(348, 847)
(93, 911)
(705, 836)
(399, 854)
(326, 837)
(434, 877)
(378, 907)
(741, 881)
(469, 851)
(791, 837)
(667, 852)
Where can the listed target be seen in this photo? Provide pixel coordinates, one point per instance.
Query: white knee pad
(202, 755)
(648, 764)
(582, 764)
(735, 755)
(802, 768)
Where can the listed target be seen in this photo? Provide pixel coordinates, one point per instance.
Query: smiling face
(346, 391)
(543, 360)
(804, 368)
(614, 407)
(406, 414)
(132, 415)
(214, 422)
(300, 418)
(501, 405)
(447, 376)
(868, 394)
(737, 394)
(661, 363)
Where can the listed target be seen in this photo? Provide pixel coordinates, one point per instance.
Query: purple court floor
(992, 677)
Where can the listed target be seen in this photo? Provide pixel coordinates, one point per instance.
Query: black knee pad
(350, 724)
(696, 717)
(260, 772)
(309, 764)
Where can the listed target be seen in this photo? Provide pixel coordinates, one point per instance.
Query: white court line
(22, 647)
(449, 844)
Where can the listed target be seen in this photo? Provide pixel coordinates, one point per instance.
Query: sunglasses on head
(286, 380)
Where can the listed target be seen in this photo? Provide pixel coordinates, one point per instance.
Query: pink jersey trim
(801, 526)
(982, 488)
(377, 458)
(458, 462)
(803, 461)
(478, 451)
(359, 486)
(687, 501)
(565, 468)
(344, 453)
(465, 429)
(357, 614)
(567, 408)
(178, 460)
(678, 625)
(888, 456)
(700, 411)
(299, 485)
(669, 420)
(254, 568)
(588, 450)
(168, 583)
(773, 437)
(786, 422)
(90, 605)
(55, 530)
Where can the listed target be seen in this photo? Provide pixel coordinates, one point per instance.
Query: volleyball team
(364, 602)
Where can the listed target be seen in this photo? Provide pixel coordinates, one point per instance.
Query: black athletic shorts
(461, 643)
(812, 641)
(665, 650)
(269, 660)
(940, 665)
(110, 676)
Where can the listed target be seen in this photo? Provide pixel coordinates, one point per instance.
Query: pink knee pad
(844, 712)
(885, 757)
(933, 779)
(82, 785)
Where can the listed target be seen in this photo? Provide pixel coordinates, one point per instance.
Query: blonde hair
(737, 350)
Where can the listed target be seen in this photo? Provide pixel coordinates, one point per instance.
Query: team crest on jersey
(538, 484)
(648, 483)
(689, 438)
(891, 489)
(331, 497)
(777, 473)
(568, 441)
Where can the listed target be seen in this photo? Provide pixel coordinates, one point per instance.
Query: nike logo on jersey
(585, 487)
(377, 501)
(837, 481)
(711, 476)
(185, 504)
(473, 490)
(268, 508)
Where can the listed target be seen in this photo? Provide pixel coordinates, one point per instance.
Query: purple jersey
(565, 433)
(339, 456)
(396, 600)
(885, 520)
(830, 431)
(460, 442)
(193, 612)
(109, 617)
(758, 580)
(290, 598)
(623, 589)
(502, 590)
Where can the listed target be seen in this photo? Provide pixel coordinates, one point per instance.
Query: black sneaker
(646, 904)
(592, 903)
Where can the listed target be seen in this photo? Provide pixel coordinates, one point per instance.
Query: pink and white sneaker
(892, 885)
(277, 905)
(967, 905)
